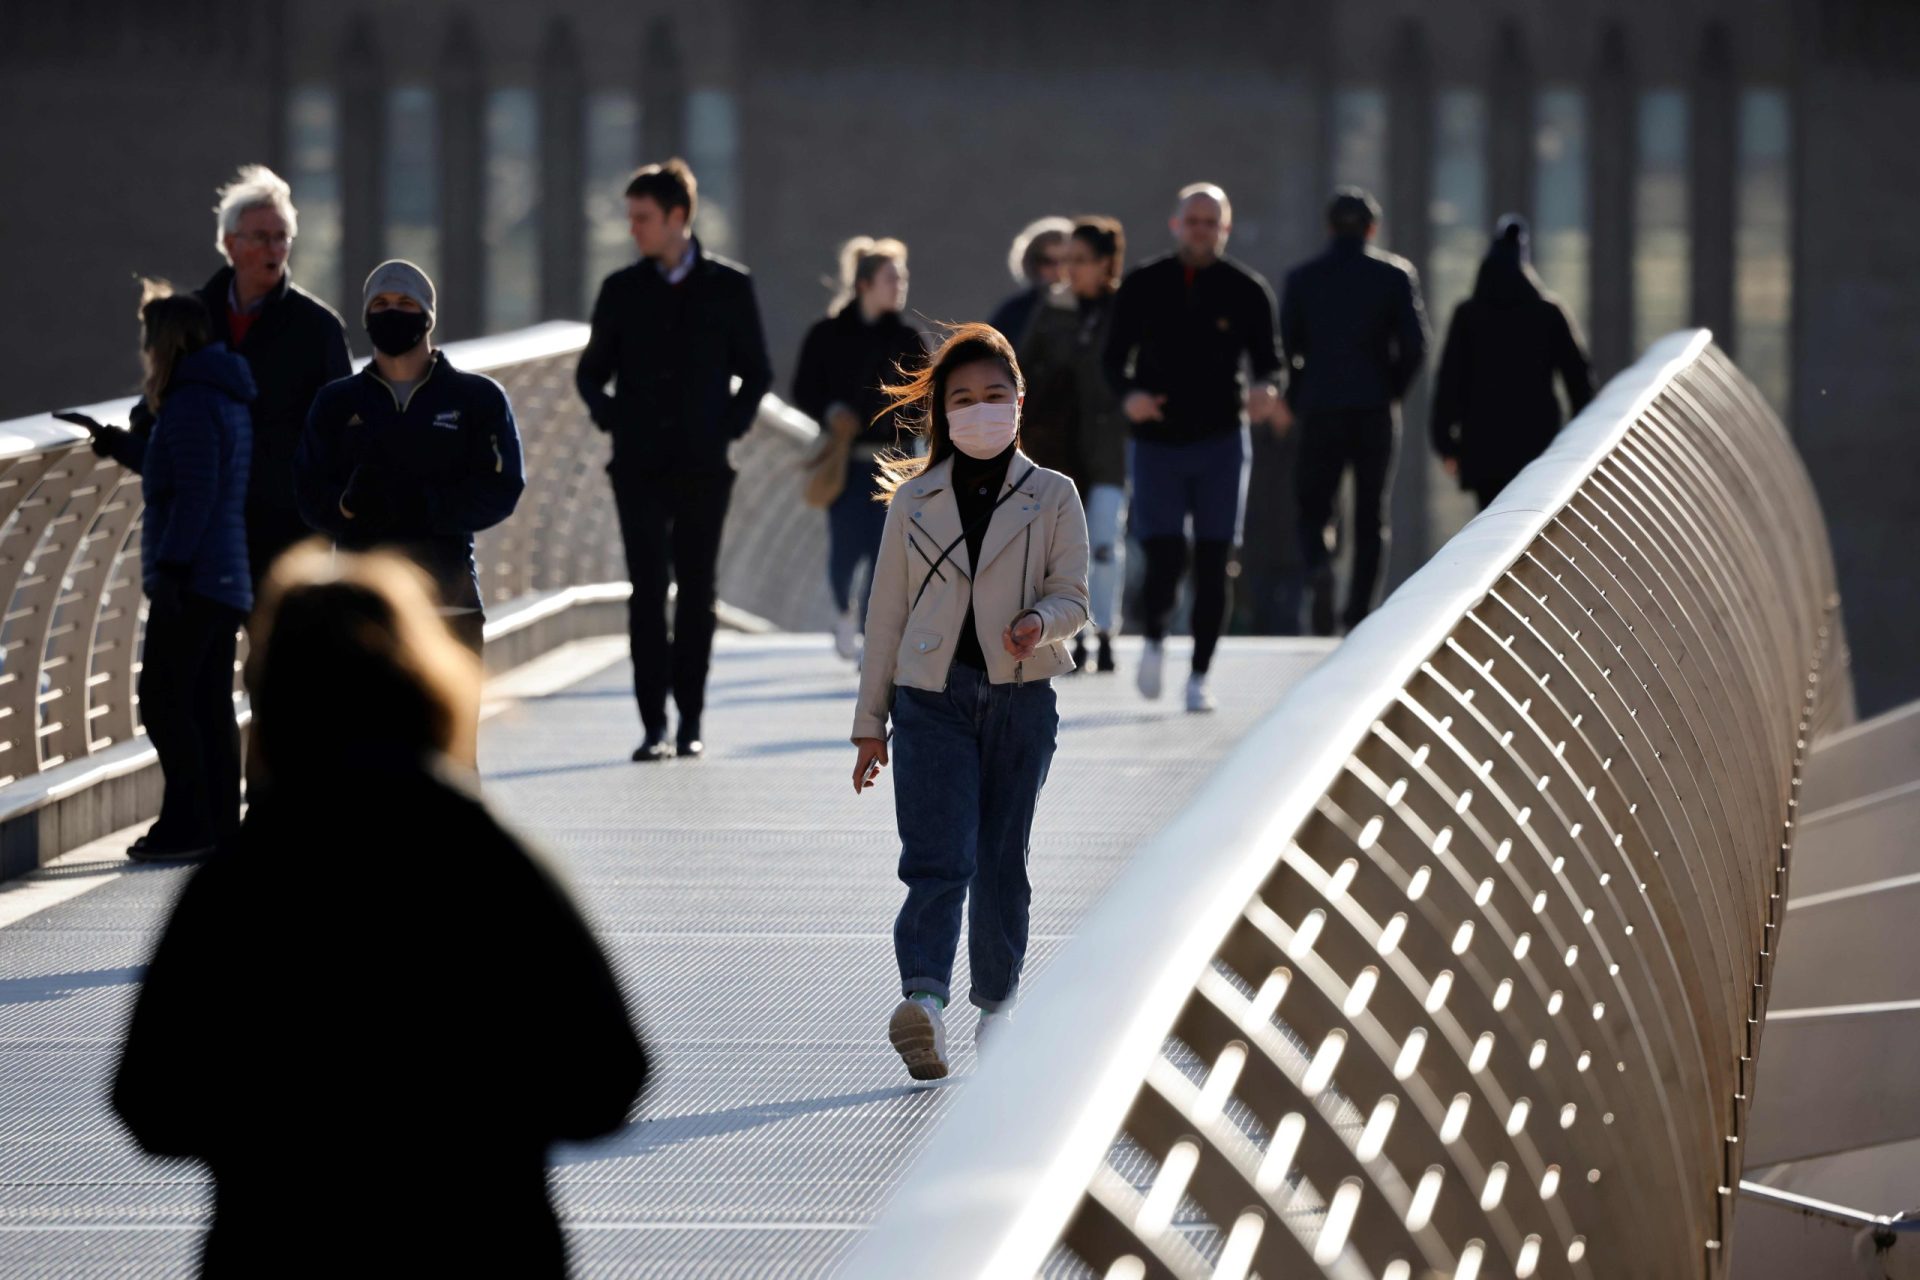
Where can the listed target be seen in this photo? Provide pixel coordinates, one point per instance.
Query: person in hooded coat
(1494, 407)
(371, 1019)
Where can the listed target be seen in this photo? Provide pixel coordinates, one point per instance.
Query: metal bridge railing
(1456, 967)
(70, 545)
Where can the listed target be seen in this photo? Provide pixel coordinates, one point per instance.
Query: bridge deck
(746, 900)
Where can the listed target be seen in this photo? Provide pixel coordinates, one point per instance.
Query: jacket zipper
(402, 408)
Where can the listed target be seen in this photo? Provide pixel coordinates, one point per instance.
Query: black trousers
(186, 702)
(1365, 440)
(671, 523)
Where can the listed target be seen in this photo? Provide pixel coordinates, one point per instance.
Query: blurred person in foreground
(411, 453)
(405, 1043)
(1494, 408)
(1072, 420)
(193, 565)
(863, 344)
(1035, 261)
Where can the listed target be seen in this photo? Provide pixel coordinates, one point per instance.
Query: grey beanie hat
(397, 275)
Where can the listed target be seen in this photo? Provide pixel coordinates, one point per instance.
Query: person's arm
(746, 359)
(811, 395)
(322, 467)
(1409, 332)
(193, 455)
(1570, 357)
(167, 1082)
(888, 604)
(1450, 387)
(1263, 351)
(492, 478)
(598, 360)
(1293, 335)
(1062, 604)
(1123, 338)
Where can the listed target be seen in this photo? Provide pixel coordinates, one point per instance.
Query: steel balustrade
(70, 545)
(1457, 966)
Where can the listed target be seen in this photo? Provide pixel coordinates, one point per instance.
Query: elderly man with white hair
(293, 342)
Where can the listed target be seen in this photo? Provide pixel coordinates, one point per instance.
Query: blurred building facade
(1731, 163)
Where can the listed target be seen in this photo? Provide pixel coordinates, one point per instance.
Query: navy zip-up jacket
(1353, 328)
(194, 479)
(444, 464)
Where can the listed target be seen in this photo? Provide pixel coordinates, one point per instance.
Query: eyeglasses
(265, 239)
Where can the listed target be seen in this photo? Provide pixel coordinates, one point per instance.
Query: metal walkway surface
(746, 900)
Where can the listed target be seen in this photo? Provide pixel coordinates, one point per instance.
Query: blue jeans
(968, 765)
(1106, 512)
(1205, 480)
(854, 525)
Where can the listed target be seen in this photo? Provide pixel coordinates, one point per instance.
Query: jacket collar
(216, 291)
(937, 511)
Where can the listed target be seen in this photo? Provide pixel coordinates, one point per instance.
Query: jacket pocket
(921, 641)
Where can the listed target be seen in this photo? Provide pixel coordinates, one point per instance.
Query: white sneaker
(846, 636)
(1198, 699)
(990, 1028)
(917, 1034)
(1151, 659)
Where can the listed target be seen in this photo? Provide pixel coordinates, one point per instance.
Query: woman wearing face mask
(980, 585)
(845, 361)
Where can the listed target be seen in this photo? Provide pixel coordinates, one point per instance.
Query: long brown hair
(354, 657)
(921, 401)
(172, 325)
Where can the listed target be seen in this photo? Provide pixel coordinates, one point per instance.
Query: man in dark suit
(670, 333)
(1354, 333)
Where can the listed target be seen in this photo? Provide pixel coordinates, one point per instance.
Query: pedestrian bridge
(1447, 952)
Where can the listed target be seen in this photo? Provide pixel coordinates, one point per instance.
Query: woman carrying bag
(862, 345)
(980, 585)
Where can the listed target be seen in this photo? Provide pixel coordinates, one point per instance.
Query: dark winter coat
(1494, 406)
(1182, 334)
(383, 1013)
(672, 352)
(846, 360)
(295, 347)
(1353, 328)
(1072, 420)
(435, 469)
(1015, 314)
(194, 480)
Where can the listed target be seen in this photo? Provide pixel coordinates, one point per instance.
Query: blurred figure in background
(1355, 334)
(193, 563)
(295, 1031)
(671, 332)
(1494, 408)
(412, 453)
(1072, 420)
(1183, 327)
(865, 343)
(1035, 262)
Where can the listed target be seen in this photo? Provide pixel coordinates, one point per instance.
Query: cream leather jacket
(1034, 559)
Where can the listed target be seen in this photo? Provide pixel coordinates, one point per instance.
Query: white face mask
(983, 430)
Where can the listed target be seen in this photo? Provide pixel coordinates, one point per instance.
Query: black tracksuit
(671, 352)
(1355, 333)
(295, 346)
(420, 477)
(404, 1055)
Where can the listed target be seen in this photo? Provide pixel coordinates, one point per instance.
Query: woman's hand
(1022, 636)
(867, 764)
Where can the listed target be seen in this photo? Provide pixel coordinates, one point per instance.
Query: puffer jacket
(194, 480)
(1034, 558)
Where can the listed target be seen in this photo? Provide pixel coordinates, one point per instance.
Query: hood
(215, 366)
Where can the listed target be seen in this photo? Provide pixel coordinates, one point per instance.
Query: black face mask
(396, 332)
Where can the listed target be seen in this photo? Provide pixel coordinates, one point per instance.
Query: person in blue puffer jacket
(193, 548)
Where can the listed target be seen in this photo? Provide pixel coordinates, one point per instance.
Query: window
(713, 149)
(1360, 142)
(313, 157)
(613, 142)
(413, 178)
(1763, 244)
(1459, 222)
(1662, 287)
(1561, 216)
(512, 226)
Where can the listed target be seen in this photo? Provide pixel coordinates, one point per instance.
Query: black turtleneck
(976, 486)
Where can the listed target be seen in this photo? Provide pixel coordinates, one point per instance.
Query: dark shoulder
(1387, 264)
(720, 268)
(480, 389)
(312, 310)
(626, 278)
(1153, 269)
(336, 396)
(1246, 280)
